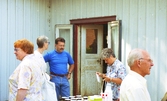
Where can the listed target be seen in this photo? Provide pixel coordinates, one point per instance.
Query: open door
(114, 37)
(91, 46)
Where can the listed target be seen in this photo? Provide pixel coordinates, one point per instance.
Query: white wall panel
(20, 19)
(3, 49)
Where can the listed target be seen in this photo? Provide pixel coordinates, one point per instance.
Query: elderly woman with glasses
(42, 43)
(25, 82)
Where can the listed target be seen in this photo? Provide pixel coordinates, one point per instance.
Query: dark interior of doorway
(105, 29)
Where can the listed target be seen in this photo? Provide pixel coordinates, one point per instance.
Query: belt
(115, 99)
(61, 75)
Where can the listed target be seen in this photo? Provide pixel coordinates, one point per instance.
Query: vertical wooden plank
(83, 9)
(112, 7)
(27, 18)
(42, 19)
(150, 38)
(119, 8)
(10, 46)
(141, 24)
(4, 41)
(1, 48)
(77, 11)
(98, 8)
(125, 31)
(69, 6)
(133, 24)
(161, 35)
(90, 8)
(48, 27)
(34, 21)
(20, 19)
(105, 7)
(12, 22)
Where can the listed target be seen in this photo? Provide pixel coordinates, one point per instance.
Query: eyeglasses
(16, 49)
(48, 42)
(149, 60)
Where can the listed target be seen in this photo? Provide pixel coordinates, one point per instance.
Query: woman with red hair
(25, 82)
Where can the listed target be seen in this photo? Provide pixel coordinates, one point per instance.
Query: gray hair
(106, 53)
(41, 40)
(135, 54)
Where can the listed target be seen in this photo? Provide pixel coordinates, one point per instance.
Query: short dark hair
(59, 39)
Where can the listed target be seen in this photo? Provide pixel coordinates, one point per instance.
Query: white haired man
(134, 87)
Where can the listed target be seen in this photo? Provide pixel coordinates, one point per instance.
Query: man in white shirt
(134, 86)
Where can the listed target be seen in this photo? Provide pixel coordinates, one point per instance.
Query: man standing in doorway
(58, 60)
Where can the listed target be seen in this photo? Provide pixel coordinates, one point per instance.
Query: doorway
(87, 59)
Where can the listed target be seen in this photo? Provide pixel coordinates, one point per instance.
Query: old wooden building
(88, 26)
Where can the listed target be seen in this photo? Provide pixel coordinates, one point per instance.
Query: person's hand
(100, 74)
(68, 76)
(107, 79)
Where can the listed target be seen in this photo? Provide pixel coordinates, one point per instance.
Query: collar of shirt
(139, 77)
(111, 68)
(114, 64)
(28, 56)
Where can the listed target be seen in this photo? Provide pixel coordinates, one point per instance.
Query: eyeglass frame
(48, 42)
(16, 49)
(149, 60)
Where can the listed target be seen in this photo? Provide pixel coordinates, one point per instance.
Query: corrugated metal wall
(20, 19)
(144, 25)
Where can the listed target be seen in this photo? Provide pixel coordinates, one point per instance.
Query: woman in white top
(25, 82)
(42, 42)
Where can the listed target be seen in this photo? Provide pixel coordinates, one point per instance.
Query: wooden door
(91, 46)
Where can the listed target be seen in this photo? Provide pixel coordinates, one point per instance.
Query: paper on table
(98, 78)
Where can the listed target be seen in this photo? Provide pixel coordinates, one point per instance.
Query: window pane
(65, 33)
(91, 41)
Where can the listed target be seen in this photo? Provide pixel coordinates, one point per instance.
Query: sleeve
(121, 72)
(46, 57)
(24, 77)
(70, 60)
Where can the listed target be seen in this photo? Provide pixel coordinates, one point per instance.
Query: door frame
(76, 46)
